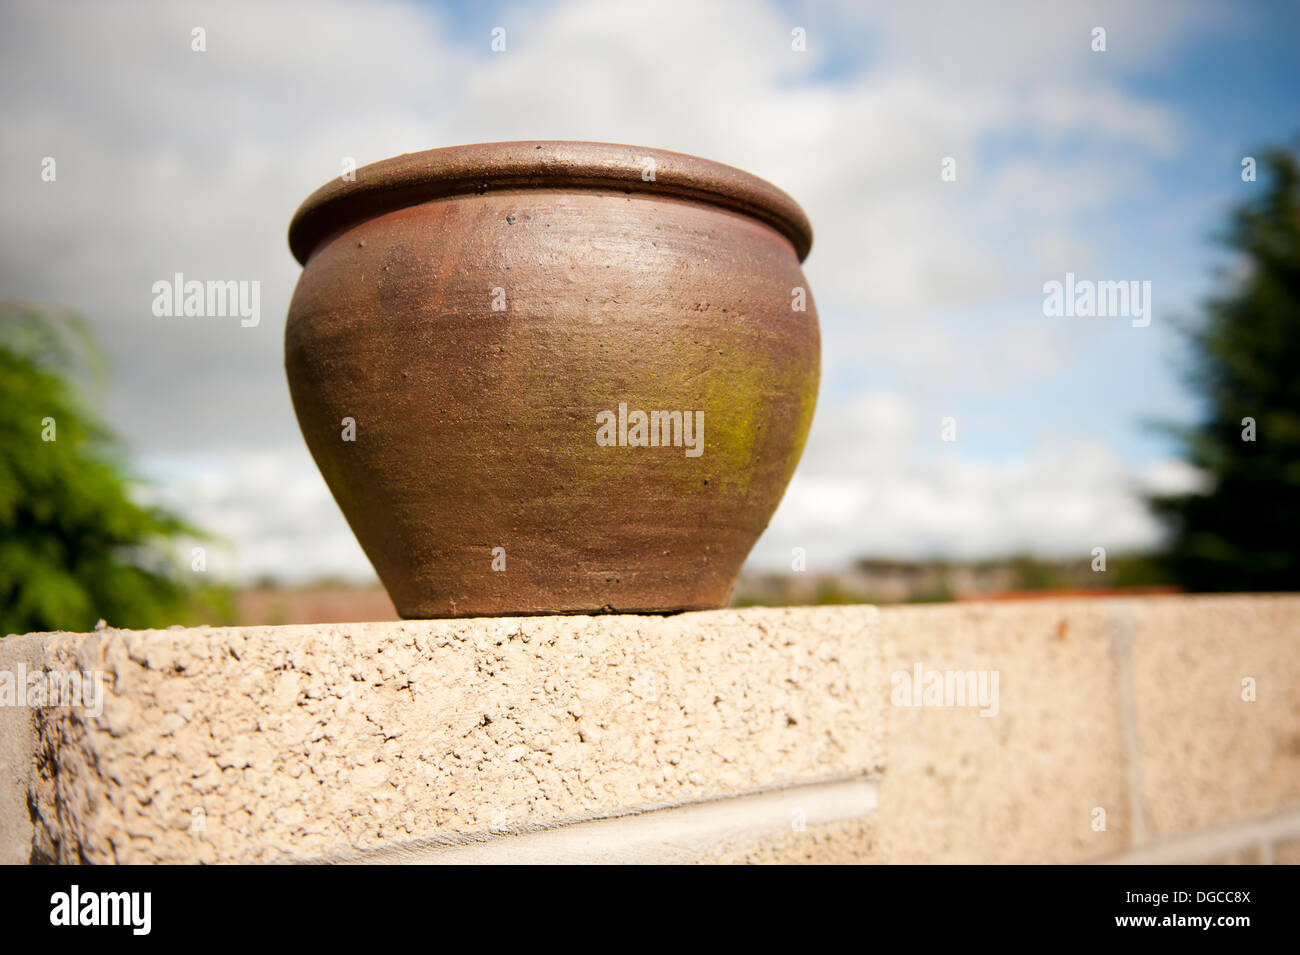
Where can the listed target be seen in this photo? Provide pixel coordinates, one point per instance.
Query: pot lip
(413, 178)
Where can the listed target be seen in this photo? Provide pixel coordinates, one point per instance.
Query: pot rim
(413, 178)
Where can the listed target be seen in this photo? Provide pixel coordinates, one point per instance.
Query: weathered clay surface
(280, 743)
(473, 312)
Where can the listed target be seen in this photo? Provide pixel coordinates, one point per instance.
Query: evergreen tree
(1243, 533)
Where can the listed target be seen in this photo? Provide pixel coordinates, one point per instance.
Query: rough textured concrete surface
(305, 743)
(1119, 733)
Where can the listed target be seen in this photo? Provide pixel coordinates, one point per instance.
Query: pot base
(505, 595)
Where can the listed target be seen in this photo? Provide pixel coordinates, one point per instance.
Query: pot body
(491, 349)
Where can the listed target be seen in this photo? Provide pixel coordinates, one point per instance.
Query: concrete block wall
(1156, 729)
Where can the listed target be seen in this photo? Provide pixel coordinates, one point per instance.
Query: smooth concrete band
(678, 834)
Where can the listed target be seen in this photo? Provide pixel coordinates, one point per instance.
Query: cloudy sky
(1114, 165)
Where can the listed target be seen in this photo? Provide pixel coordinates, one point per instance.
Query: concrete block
(1209, 755)
(1115, 731)
(321, 742)
(1028, 783)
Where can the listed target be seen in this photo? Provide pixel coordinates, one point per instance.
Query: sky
(1114, 165)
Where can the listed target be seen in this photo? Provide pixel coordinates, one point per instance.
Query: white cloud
(908, 495)
(269, 514)
(1172, 476)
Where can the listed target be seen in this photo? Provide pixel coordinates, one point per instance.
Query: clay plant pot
(474, 340)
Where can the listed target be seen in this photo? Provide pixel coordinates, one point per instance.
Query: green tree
(74, 545)
(1244, 532)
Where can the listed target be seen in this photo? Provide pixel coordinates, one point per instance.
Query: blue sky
(1117, 165)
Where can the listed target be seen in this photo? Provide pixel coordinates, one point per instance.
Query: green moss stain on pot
(736, 396)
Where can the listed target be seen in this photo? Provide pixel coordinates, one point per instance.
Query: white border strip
(1207, 844)
(672, 835)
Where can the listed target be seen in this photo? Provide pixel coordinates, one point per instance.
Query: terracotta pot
(489, 318)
